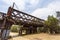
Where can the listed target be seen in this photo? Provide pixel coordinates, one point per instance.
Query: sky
(38, 8)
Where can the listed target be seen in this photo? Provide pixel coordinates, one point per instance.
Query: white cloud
(22, 3)
(49, 10)
(19, 3)
(34, 2)
(40, 12)
(55, 6)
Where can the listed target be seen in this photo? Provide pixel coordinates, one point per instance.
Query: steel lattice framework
(26, 18)
(13, 16)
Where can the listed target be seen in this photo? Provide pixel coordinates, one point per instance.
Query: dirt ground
(41, 36)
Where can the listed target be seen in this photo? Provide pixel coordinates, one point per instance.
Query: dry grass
(41, 36)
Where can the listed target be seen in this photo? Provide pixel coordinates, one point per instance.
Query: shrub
(14, 28)
(52, 24)
(40, 29)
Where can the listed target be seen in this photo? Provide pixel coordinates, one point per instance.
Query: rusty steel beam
(37, 21)
(14, 16)
(28, 14)
(24, 18)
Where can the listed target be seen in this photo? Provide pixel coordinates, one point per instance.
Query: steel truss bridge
(13, 16)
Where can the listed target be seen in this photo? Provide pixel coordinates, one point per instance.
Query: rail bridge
(13, 16)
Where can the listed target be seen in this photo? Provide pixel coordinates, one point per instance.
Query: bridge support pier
(34, 30)
(29, 30)
(5, 34)
(5, 30)
(20, 31)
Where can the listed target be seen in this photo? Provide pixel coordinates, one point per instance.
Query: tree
(52, 24)
(15, 28)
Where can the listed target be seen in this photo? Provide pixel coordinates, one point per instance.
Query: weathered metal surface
(13, 16)
(24, 18)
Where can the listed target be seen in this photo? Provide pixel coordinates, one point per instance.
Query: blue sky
(28, 6)
(38, 8)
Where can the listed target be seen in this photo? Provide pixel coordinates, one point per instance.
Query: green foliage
(15, 28)
(40, 29)
(52, 24)
(51, 21)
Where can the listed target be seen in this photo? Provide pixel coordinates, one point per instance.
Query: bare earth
(41, 36)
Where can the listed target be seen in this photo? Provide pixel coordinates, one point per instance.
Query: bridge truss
(13, 16)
